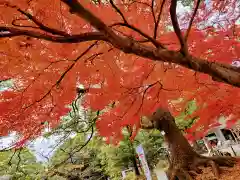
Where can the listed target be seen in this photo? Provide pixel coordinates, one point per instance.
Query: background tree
(77, 159)
(71, 163)
(118, 158)
(20, 164)
(138, 65)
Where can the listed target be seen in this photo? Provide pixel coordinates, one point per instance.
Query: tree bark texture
(184, 161)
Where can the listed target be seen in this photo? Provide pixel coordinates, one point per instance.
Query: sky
(43, 148)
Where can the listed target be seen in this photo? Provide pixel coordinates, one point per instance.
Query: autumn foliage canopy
(48, 48)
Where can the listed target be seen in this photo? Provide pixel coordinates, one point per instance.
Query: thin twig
(63, 75)
(173, 14)
(78, 149)
(158, 19)
(19, 159)
(37, 22)
(153, 13)
(152, 40)
(10, 160)
(118, 11)
(191, 21)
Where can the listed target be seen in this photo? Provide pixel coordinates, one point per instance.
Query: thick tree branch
(218, 71)
(225, 73)
(90, 36)
(173, 14)
(191, 21)
(114, 39)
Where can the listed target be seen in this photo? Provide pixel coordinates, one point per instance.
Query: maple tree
(125, 55)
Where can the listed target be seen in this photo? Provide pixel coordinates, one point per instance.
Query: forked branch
(78, 9)
(149, 38)
(126, 24)
(38, 23)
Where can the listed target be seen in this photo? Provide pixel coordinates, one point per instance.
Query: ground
(226, 174)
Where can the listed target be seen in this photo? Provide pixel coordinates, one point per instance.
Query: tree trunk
(137, 172)
(133, 158)
(184, 161)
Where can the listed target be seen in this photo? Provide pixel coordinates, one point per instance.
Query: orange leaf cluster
(46, 74)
